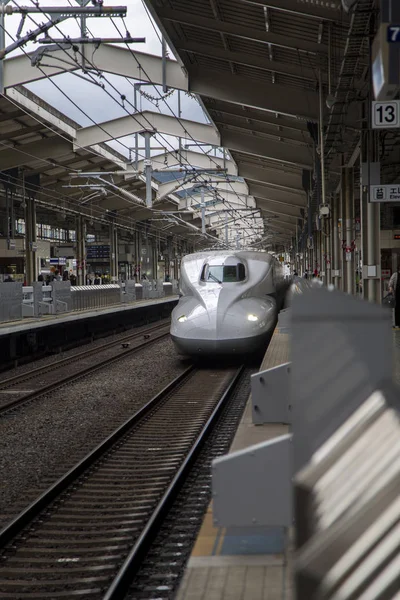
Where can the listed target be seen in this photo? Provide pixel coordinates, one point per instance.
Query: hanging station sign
(386, 115)
(385, 193)
(393, 34)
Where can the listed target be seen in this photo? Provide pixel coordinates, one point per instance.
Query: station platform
(245, 565)
(242, 564)
(28, 339)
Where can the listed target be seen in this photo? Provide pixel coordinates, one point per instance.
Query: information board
(98, 251)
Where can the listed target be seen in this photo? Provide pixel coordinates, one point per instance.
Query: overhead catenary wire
(118, 92)
(111, 97)
(164, 100)
(134, 225)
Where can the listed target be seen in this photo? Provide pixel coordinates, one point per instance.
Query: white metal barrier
(95, 296)
(339, 468)
(18, 301)
(28, 302)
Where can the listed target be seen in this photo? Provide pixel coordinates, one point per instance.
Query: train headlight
(182, 319)
(252, 318)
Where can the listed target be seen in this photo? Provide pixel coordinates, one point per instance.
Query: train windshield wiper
(211, 276)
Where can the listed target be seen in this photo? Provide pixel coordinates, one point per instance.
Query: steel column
(373, 229)
(30, 236)
(323, 251)
(81, 250)
(342, 233)
(329, 250)
(148, 169)
(113, 253)
(2, 43)
(321, 137)
(335, 242)
(203, 212)
(348, 227)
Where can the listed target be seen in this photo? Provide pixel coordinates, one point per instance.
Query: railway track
(87, 535)
(21, 389)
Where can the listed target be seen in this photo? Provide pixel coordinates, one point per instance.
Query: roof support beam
(111, 59)
(250, 60)
(290, 182)
(265, 96)
(235, 187)
(274, 209)
(146, 121)
(168, 160)
(277, 151)
(247, 33)
(281, 220)
(280, 225)
(247, 127)
(232, 199)
(261, 117)
(329, 11)
(277, 196)
(30, 153)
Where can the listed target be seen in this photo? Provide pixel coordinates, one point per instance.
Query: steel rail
(110, 490)
(26, 516)
(134, 559)
(12, 381)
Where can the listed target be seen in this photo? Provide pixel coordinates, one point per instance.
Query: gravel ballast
(38, 443)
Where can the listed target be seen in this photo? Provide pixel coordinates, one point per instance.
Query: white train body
(229, 302)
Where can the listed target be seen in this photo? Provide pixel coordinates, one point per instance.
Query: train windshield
(223, 273)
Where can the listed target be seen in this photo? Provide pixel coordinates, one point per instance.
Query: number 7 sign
(386, 115)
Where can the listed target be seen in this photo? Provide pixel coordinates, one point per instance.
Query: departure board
(98, 251)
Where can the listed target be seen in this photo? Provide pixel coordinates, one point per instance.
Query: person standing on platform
(394, 288)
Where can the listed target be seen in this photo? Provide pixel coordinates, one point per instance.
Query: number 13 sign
(386, 115)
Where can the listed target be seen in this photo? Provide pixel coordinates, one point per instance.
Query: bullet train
(229, 302)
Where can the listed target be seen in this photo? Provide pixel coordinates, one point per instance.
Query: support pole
(81, 250)
(324, 251)
(226, 230)
(3, 3)
(83, 35)
(113, 252)
(179, 115)
(348, 225)
(329, 249)
(342, 234)
(148, 169)
(203, 212)
(164, 64)
(321, 138)
(136, 134)
(373, 240)
(335, 243)
(30, 236)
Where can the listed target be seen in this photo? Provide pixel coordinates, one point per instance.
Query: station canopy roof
(255, 66)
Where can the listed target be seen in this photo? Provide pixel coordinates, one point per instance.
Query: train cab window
(223, 273)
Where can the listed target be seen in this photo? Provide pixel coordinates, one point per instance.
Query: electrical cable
(115, 89)
(161, 98)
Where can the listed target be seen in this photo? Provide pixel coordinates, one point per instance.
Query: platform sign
(393, 34)
(386, 115)
(385, 193)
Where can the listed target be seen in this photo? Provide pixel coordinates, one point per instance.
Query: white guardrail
(18, 301)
